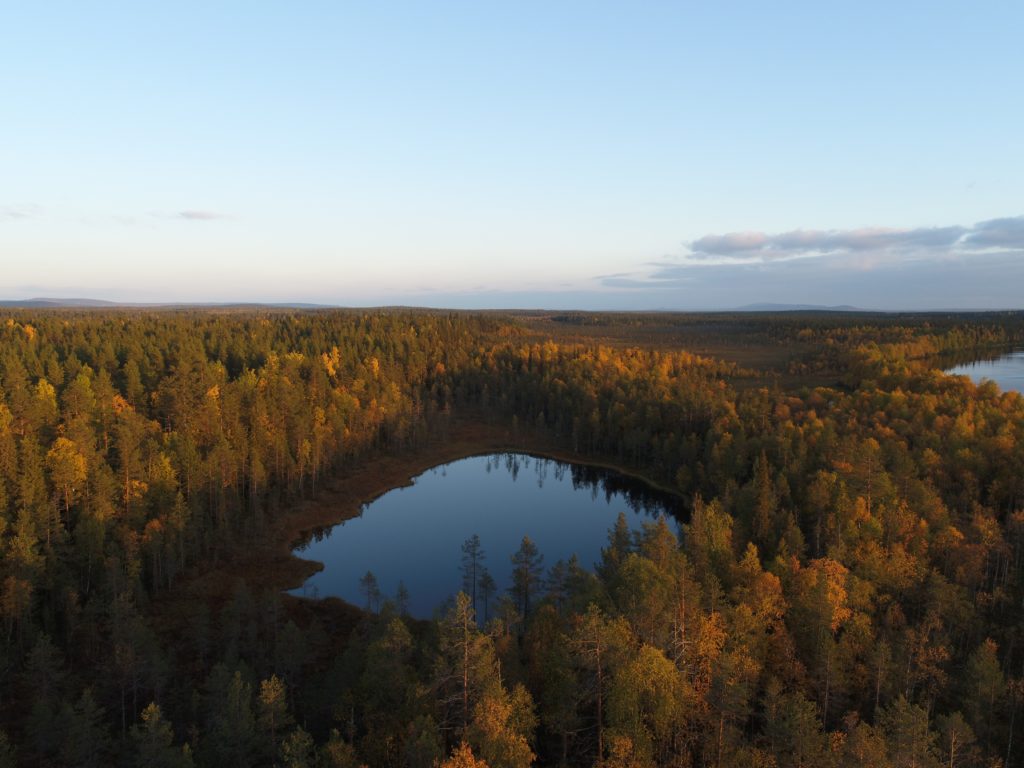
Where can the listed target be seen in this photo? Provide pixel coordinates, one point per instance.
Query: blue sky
(595, 155)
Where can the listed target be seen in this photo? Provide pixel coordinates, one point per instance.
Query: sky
(640, 155)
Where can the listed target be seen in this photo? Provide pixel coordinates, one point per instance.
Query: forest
(848, 589)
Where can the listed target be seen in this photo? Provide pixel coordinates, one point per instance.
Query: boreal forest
(847, 588)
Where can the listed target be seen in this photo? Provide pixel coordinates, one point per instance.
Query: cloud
(760, 246)
(733, 243)
(195, 215)
(18, 212)
(654, 281)
(998, 233)
(974, 266)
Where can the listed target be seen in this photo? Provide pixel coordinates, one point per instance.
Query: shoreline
(270, 564)
(344, 494)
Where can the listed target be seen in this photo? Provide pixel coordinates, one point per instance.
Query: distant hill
(766, 307)
(48, 303)
(42, 303)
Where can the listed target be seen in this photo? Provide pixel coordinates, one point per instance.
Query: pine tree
(472, 563)
(527, 572)
(487, 589)
(368, 586)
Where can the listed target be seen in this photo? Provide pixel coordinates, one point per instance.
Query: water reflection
(414, 534)
(1005, 369)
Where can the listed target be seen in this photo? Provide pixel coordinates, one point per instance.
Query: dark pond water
(415, 534)
(1006, 370)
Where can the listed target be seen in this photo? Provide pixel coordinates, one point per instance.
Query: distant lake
(415, 534)
(1006, 370)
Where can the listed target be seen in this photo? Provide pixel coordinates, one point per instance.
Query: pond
(414, 535)
(1006, 370)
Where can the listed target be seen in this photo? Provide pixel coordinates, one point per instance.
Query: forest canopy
(847, 591)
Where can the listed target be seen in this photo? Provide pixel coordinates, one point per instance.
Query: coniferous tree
(152, 742)
(473, 557)
(527, 572)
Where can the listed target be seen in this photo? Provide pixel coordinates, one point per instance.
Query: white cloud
(195, 215)
(807, 242)
(18, 212)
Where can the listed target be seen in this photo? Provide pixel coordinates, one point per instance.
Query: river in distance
(1006, 370)
(414, 535)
